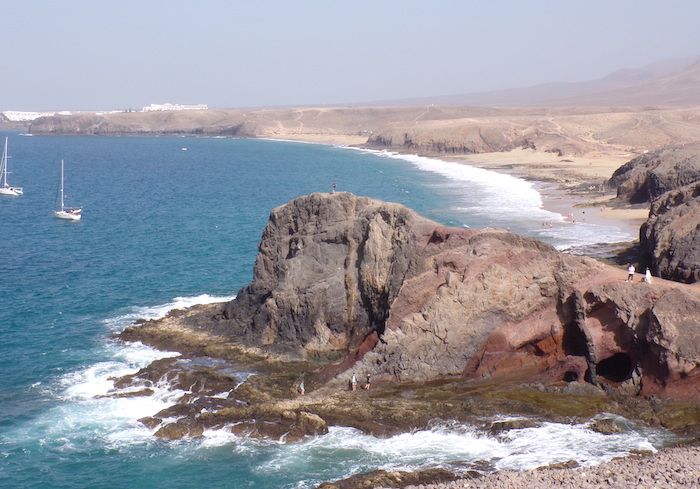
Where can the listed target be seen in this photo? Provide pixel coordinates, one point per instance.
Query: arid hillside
(432, 130)
(628, 111)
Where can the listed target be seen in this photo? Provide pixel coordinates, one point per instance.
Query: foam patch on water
(489, 194)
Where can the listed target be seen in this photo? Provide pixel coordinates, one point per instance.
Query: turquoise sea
(169, 222)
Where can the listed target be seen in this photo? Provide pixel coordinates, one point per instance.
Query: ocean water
(169, 222)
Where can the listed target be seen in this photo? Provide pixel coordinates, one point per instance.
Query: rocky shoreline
(666, 469)
(452, 324)
(269, 405)
(669, 468)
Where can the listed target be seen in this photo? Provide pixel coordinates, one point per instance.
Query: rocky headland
(451, 324)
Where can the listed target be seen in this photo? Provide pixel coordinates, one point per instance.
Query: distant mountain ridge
(672, 82)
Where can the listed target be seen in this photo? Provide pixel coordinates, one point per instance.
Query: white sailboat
(5, 189)
(63, 212)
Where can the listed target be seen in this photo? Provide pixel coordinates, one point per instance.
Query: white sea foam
(83, 415)
(118, 323)
(488, 198)
(86, 409)
(82, 420)
(457, 448)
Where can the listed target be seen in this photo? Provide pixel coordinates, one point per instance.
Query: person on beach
(369, 382)
(630, 273)
(647, 276)
(353, 382)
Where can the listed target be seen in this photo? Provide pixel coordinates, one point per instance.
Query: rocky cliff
(670, 238)
(328, 269)
(451, 323)
(422, 129)
(648, 176)
(668, 180)
(387, 292)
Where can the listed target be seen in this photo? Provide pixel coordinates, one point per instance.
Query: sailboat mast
(60, 188)
(3, 165)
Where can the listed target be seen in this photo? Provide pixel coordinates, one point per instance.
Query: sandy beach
(571, 186)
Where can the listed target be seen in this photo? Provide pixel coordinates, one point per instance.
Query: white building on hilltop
(158, 107)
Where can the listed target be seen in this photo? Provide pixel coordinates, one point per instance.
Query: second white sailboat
(63, 212)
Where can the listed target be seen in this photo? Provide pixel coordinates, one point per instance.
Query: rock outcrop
(387, 292)
(483, 321)
(668, 179)
(648, 176)
(328, 269)
(670, 238)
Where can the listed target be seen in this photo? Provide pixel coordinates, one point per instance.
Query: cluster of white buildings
(27, 116)
(159, 107)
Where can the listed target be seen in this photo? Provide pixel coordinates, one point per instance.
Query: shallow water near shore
(170, 222)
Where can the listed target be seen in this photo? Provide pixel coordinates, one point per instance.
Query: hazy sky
(119, 54)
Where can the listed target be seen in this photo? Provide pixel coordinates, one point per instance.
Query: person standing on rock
(369, 382)
(647, 276)
(302, 390)
(630, 273)
(353, 382)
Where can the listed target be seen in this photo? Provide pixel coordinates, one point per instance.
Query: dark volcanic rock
(670, 238)
(358, 286)
(647, 177)
(328, 268)
(336, 271)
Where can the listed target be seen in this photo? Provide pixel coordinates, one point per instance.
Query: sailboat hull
(66, 215)
(12, 191)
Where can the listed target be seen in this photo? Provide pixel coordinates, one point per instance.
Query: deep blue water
(165, 227)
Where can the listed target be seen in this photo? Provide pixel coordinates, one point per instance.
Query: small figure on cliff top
(302, 390)
(369, 382)
(630, 273)
(647, 276)
(353, 383)
(333, 187)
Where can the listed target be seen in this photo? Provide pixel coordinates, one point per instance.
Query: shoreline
(666, 468)
(568, 185)
(558, 195)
